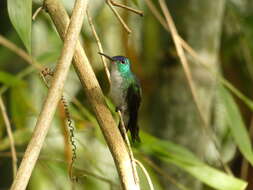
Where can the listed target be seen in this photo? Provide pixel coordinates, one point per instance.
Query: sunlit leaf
(181, 157)
(20, 13)
(239, 131)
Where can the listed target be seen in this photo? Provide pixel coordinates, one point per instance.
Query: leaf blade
(181, 157)
(20, 13)
(236, 124)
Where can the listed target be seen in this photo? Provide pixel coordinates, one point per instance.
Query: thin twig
(122, 22)
(68, 136)
(96, 99)
(11, 138)
(177, 41)
(54, 95)
(20, 52)
(195, 55)
(182, 57)
(162, 21)
(127, 8)
(99, 45)
(123, 129)
(146, 173)
(8, 44)
(198, 59)
(36, 13)
(157, 14)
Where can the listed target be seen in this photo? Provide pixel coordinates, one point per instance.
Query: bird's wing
(133, 102)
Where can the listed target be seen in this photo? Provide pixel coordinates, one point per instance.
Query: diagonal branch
(20, 52)
(99, 46)
(124, 133)
(122, 22)
(178, 43)
(127, 8)
(96, 98)
(53, 97)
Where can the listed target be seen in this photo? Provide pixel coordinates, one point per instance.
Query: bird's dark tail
(133, 126)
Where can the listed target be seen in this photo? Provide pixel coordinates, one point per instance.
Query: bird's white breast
(116, 90)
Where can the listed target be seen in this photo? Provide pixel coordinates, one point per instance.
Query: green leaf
(186, 160)
(9, 79)
(20, 13)
(239, 131)
(248, 102)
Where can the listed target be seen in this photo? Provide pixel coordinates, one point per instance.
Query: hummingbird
(125, 92)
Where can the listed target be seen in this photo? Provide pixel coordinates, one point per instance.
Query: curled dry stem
(36, 13)
(146, 174)
(48, 72)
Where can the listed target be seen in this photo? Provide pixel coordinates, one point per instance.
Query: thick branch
(54, 94)
(96, 99)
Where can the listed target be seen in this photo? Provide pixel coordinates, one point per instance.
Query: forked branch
(54, 95)
(96, 99)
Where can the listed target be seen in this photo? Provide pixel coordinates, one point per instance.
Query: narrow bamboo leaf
(210, 176)
(20, 13)
(186, 160)
(10, 80)
(248, 102)
(239, 131)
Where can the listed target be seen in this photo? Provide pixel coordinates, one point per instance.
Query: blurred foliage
(154, 59)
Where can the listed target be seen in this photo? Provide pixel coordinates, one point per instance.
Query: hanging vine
(49, 72)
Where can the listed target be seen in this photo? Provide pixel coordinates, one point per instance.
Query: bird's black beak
(107, 56)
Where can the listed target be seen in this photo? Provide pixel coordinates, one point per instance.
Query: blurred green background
(175, 147)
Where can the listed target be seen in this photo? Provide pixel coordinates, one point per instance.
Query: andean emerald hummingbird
(125, 92)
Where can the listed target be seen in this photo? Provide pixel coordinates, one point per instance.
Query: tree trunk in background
(200, 24)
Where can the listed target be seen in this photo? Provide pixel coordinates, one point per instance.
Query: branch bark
(96, 98)
(54, 95)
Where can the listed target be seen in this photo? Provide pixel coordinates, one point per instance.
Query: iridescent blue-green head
(120, 63)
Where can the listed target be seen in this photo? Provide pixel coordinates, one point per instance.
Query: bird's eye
(123, 62)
